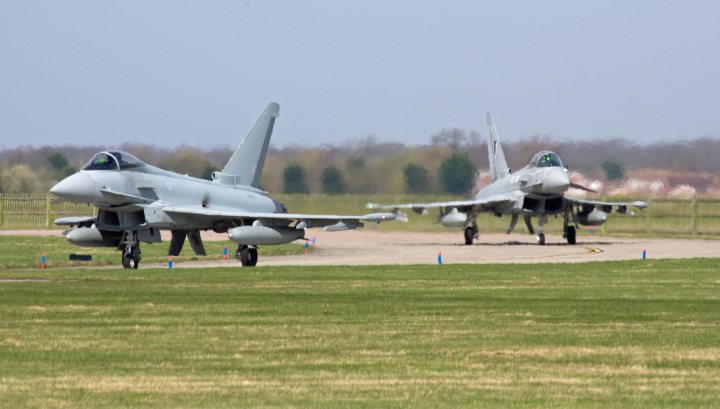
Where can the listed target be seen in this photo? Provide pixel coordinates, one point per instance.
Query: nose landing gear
(131, 251)
(542, 219)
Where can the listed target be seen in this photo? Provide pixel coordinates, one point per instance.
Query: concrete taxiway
(368, 248)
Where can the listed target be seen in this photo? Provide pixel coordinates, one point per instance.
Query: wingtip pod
(640, 204)
(372, 206)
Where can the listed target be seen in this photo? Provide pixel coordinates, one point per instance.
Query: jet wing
(480, 205)
(330, 222)
(608, 207)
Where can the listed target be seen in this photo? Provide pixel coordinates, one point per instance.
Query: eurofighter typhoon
(136, 200)
(537, 190)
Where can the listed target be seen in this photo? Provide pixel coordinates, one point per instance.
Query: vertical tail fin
(496, 156)
(246, 163)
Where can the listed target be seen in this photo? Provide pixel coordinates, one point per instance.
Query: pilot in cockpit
(113, 161)
(547, 159)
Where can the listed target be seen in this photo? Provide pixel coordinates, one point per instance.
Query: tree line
(447, 164)
(456, 175)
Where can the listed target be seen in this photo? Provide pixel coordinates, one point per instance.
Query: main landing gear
(248, 255)
(470, 233)
(131, 250)
(569, 230)
(570, 235)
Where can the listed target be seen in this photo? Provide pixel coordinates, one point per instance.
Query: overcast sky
(199, 72)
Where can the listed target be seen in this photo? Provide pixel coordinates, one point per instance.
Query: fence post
(603, 227)
(47, 210)
(648, 219)
(2, 211)
(694, 217)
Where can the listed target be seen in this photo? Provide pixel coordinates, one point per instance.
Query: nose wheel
(131, 251)
(247, 255)
(130, 261)
(131, 257)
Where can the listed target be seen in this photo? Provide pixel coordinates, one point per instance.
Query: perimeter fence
(37, 210)
(698, 216)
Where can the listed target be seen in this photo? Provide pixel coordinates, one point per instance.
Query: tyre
(248, 256)
(252, 257)
(541, 239)
(129, 261)
(242, 255)
(126, 261)
(570, 235)
(469, 235)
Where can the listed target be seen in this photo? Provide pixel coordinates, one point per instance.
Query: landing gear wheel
(570, 235)
(252, 257)
(541, 239)
(469, 235)
(130, 246)
(248, 256)
(129, 261)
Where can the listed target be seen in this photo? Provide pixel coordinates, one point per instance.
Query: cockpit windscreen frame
(113, 160)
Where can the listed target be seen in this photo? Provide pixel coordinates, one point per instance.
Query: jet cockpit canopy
(113, 160)
(547, 159)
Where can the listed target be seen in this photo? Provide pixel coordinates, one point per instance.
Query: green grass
(25, 251)
(620, 334)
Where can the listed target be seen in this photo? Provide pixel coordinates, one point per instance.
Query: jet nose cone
(78, 187)
(556, 181)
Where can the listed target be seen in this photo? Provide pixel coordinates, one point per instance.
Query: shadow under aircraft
(136, 200)
(537, 190)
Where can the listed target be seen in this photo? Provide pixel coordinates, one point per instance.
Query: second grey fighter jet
(537, 190)
(136, 200)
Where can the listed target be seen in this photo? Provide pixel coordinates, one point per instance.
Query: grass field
(622, 334)
(25, 251)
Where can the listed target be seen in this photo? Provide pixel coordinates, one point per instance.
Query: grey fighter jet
(537, 190)
(136, 200)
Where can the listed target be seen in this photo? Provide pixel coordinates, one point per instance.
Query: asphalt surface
(368, 248)
(365, 247)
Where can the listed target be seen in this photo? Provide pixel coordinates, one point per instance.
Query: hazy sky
(199, 72)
